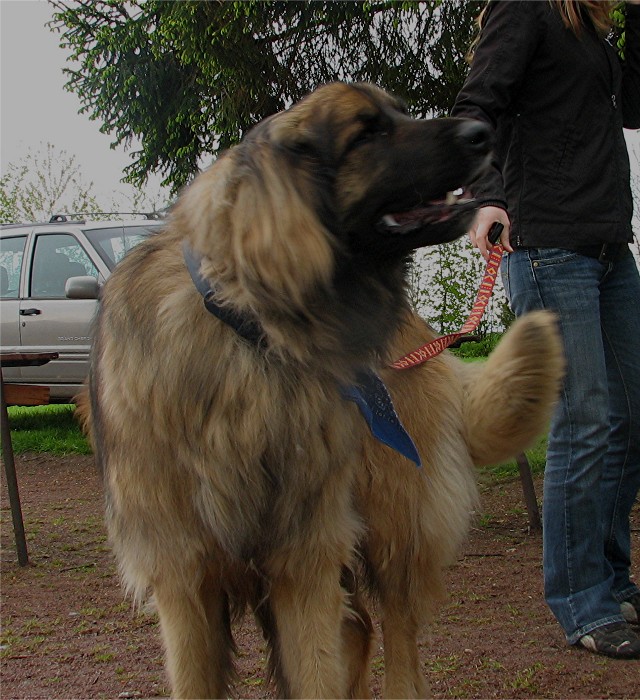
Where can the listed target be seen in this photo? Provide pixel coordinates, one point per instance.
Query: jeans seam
(623, 470)
(571, 427)
(575, 637)
(626, 593)
(568, 548)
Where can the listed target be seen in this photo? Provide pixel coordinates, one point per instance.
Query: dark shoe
(616, 640)
(630, 609)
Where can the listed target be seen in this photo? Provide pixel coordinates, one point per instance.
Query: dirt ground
(67, 631)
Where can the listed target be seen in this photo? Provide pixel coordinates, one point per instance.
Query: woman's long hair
(597, 11)
(573, 12)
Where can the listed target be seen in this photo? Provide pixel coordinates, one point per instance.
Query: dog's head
(383, 180)
(313, 215)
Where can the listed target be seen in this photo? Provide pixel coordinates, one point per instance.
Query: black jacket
(558, 103)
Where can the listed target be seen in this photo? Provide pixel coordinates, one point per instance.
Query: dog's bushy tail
(82, 412)
(511, 396)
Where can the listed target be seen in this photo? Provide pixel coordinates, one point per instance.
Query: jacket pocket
(562, 159)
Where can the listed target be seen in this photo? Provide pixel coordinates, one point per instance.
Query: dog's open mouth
(435, 212)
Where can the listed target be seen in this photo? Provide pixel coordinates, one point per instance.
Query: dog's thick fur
(461, 416)
(235, 472)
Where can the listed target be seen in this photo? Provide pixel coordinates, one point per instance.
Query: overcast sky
(35, 109)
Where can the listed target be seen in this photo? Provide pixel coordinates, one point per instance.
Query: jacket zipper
(614, 103)
(608, 39)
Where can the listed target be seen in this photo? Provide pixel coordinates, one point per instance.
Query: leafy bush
(444, 281)
(480, 348)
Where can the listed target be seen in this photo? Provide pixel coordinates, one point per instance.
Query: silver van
(50, 275)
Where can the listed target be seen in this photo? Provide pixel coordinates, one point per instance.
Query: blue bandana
(369, 392)
(372, 398)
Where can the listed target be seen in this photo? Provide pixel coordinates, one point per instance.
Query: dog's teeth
(389, 220)
(459, 191)
(451, 198)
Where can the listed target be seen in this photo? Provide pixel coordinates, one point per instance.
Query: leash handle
(495, 232)
(435, 347)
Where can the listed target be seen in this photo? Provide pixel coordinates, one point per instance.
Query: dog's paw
(511, 397)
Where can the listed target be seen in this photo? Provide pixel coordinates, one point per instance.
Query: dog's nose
(475, 136)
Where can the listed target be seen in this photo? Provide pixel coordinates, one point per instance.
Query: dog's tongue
(421, 215)
(435, 212)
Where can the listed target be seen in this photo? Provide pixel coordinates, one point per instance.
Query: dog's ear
(282, 250)
(299, 135)
(253, 216)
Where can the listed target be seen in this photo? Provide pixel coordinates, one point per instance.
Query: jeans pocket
(550, 256)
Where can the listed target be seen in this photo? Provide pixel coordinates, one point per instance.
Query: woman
(547, 77)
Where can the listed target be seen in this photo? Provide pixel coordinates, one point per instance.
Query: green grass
(50, 429)
(53, 429)
(537, 457)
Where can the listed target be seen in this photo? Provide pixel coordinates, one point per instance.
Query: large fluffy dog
(236, 333)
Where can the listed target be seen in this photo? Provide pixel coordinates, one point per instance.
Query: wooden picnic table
(18, 359)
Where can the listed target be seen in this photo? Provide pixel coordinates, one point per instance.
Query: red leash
(435, 347)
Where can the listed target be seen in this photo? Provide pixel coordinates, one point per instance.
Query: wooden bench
(26, 395)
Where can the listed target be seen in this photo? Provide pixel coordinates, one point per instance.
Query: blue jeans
(592, 474)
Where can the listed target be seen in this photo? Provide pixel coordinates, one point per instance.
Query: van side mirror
(85, 287)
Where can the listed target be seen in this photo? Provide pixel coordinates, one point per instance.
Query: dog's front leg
(403, 677)
(357, 635)
(194, 620)
(308, 612)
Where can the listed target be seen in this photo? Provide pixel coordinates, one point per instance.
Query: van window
(57, 256)
(11, 257)
(113, 243)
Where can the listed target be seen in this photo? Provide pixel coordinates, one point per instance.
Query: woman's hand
(485, 218)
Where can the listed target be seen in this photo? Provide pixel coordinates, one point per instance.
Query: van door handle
(30, 312)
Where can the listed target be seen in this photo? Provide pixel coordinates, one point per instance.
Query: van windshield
(113, 243)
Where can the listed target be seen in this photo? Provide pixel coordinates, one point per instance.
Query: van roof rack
(68, 216)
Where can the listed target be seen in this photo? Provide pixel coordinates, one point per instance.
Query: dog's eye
(370, 132)
(302, 147)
